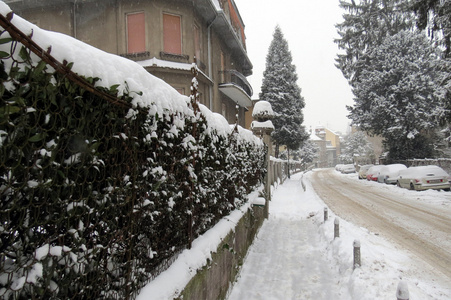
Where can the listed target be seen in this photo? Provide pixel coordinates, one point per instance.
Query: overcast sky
(308, 26)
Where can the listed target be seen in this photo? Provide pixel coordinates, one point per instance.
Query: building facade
(165, 37)
(328, 143)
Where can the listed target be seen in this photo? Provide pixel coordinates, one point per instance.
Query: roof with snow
(314, 137)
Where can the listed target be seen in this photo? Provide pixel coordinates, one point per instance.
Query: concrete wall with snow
(214, 279)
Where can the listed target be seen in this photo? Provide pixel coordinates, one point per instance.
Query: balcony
(235, 86)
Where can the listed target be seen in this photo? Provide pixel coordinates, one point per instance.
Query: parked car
(347, 169)
(389, 173)
(423, 178)
(338, 167)
(373, 172)
(363, 171)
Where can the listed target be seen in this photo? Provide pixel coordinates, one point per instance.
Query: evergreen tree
(308, 152)
(356, 144)
(366, 24)
(400, 92)
(280, 88)
(399, 96)
(436, 16)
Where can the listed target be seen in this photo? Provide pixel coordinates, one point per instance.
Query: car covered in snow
(389, 173)
(423, 178)
(373, 172)
(338, 167)
(364, 170)
(347, 169)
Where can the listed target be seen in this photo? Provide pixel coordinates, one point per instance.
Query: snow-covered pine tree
(399, 95)
(435, 15)
(356, 144)
(280, 88)
(366, 23)
(308, 152)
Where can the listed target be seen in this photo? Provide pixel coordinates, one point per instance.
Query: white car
(338, 167)
(389, 173)
(423, 178)
(347, 169)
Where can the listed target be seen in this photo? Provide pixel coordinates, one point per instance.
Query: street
(418, 222)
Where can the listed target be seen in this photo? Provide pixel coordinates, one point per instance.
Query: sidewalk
(287, 259)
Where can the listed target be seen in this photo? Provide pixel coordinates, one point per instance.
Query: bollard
(402, 292)
(357, 254)
(325, 214)
(336, 228)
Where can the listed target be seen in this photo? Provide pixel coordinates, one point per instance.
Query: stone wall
(214, 280)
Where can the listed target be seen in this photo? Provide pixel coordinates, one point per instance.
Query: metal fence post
(357, 254)
(336, 228)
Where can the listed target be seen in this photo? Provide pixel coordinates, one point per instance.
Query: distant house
(321, 160)
(332, 140)
(165, 37)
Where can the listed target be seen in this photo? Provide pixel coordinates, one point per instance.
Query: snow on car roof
(424, 170)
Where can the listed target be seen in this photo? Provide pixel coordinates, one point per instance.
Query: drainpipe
(75, 19)
(210, 68)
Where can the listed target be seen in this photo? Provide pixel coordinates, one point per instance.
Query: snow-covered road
(419, 222)
(296, 257)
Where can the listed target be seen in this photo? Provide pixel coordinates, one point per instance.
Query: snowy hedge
(96, 197)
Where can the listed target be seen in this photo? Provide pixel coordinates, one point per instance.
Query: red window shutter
(136, 33)
(172, 34)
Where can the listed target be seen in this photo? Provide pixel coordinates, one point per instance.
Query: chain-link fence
(93, 203)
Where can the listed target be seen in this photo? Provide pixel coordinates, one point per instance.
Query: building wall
(61, 20)
(334, 139)
(334, 148)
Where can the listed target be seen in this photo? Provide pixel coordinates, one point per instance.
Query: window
(172, 34)
(197, 43)
(136, 35)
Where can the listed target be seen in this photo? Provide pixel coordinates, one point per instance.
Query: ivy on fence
(94, 203)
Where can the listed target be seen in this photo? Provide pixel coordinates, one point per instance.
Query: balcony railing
(235, 77)
(137, 56)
